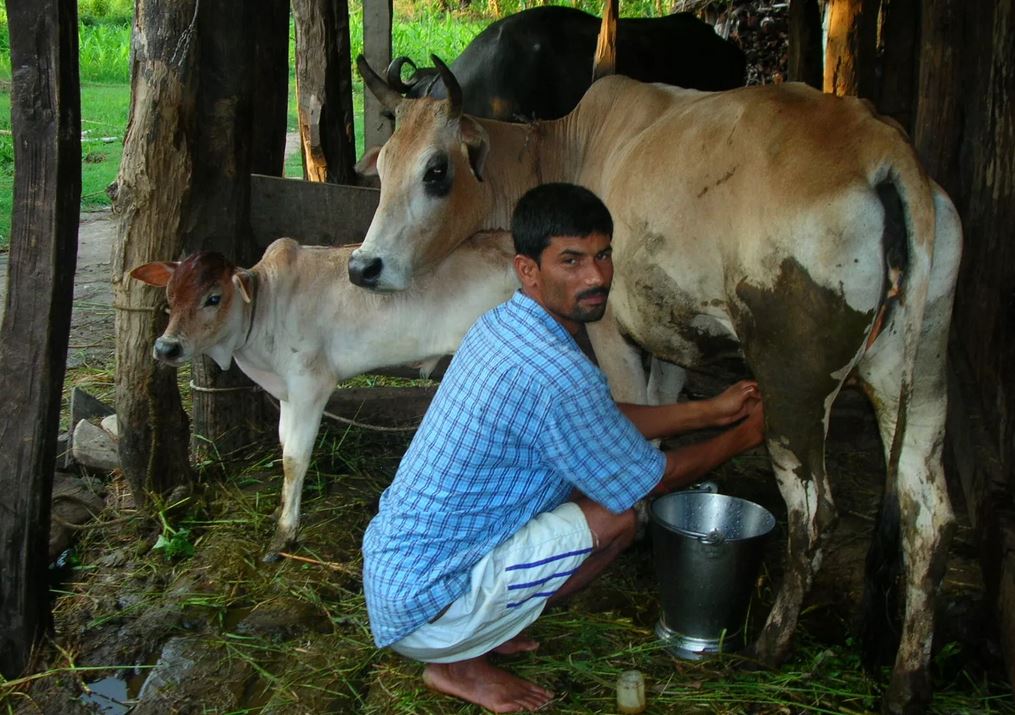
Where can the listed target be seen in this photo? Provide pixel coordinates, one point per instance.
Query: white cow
(296, 326)
(794, 228)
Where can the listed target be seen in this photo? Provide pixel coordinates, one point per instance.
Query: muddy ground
(173, 611)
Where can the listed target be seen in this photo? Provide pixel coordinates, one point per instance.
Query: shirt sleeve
(592, 445)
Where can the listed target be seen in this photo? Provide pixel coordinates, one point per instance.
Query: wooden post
(851, 47)
(46, 120)
(324, 90)
(938, 122)
(154, 180)
(984, 323)
(271, 88)
(377, 15)
(604, 62)
(229, 411)
(805, 43)
(900, 31)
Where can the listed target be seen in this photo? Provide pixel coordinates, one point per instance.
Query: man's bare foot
(518, 644)
(476, 681)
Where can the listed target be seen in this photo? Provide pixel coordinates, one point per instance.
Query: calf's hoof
(282, 541)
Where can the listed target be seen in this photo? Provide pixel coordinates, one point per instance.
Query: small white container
(630, 692)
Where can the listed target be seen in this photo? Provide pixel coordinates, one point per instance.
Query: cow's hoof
(908, 694)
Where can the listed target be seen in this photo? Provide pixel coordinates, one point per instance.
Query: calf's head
(432, 191)
(206, 295)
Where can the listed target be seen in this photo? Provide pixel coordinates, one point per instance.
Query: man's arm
(685, 465)
(657, 421)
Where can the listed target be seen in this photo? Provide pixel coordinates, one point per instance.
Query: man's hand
(735, 402)
(753, 428)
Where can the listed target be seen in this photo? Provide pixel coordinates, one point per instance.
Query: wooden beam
(46, 121)
(377, 18)
(312, 213)
(851, 48)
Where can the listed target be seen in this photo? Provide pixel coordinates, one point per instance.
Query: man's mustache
(605, 292)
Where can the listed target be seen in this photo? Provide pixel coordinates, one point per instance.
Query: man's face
(572, 279)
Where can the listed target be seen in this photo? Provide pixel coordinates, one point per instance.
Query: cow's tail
(907, 196)
(605, 61)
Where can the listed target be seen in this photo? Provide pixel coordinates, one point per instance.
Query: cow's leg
(620, 360)
(299, 422)
(796, 446)
(800, 339)
(916, 515)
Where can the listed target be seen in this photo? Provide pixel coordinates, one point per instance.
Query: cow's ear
(155, 274)
(477, 144)
(367, 166)
(244, 282)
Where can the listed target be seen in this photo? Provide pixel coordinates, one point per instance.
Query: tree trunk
(324, 90)
(805, 43)
(851, 48)
(900, 38)
(154, 181)
(46, 121)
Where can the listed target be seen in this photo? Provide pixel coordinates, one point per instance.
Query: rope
(137, 309)
(236, 388)
(355, 423)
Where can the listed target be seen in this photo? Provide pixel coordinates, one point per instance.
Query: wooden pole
(604, 62)
(154, 181)
(900, 32)
(805, 63)
(377, 15)
(851, 47)
(324, 90)
(229, 412)
(46, 121)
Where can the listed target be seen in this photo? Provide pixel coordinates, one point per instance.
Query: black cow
(537, 64)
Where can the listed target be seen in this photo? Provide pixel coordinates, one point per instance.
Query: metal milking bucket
(707, 549)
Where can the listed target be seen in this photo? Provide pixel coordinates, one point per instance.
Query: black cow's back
(538, 63)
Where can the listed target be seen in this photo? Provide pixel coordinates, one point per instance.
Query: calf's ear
(155, 274)
(477, 144)
(244, 282)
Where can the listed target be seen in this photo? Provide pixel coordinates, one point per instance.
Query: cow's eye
(213, 299)
(436, 173)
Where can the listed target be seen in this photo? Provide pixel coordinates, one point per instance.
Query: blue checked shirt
(522, 417)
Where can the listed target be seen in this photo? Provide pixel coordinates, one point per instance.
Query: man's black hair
(557, 210)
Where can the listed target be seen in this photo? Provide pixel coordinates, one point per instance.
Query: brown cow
(790, 227)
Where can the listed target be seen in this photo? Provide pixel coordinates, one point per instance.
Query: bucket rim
(768, 517)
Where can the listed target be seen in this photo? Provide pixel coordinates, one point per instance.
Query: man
(519, 486)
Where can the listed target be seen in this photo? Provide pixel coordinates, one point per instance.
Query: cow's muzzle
(365, 272)
(168, 350)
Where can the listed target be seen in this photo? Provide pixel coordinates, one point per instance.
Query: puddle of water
(116, 694)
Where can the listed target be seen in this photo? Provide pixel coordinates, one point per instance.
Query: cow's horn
(454, 89)
(394, 74)
(387, 96)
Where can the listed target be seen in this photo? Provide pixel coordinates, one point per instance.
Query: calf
(296, 326)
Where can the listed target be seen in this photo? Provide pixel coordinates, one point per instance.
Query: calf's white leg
(299, 421)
